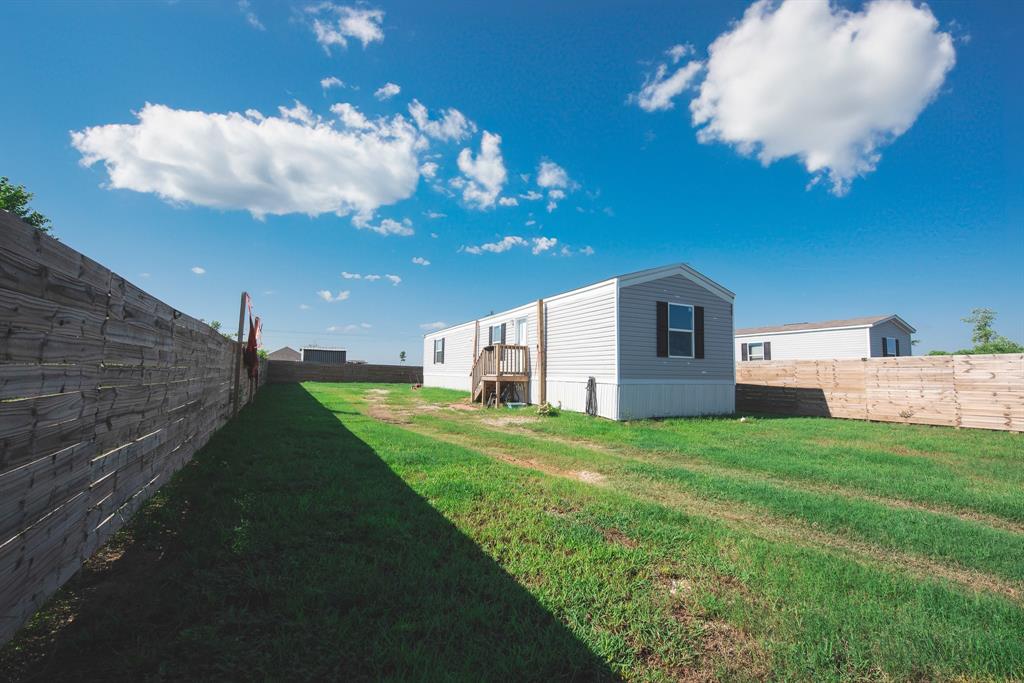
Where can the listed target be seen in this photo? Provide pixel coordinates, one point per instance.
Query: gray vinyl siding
(638, 358)
(889, 329)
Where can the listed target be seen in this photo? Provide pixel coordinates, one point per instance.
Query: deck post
(541, 374)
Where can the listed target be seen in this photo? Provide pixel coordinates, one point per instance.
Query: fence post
(238, 357)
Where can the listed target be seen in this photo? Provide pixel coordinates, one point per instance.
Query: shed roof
(865, 321)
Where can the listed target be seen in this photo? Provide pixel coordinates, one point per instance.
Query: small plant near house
(548, 410)
(15, 199)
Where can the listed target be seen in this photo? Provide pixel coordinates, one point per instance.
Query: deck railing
(499, 360)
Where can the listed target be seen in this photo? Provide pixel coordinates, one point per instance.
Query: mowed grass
(375, 532)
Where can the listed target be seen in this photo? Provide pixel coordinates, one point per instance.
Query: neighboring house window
(680, 331)
(496, 334)
(439, 351)
(890, 346)
(521, 332)
(755, 351)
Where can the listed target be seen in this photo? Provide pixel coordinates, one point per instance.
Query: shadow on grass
(289, 550)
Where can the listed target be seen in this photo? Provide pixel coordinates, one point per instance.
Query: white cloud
(504, 244)
(434, 215)
(386, 227)
(350, 328)
(365, 326)
(485, 174)
(661, 87)
(326, 295)
(303, 307)
(351, 117)
(543, 244)
(439, 325)
(420, 261)
(245, 8)
(550, 174)
(294, 163)
(677, 52)
(434, 235)
(395, 280)
(331, 82)
(335, 24)
(351, 276)
(429, 169)
(371, 278)
(144, 275)
(387, 91)
(823, 84)
(198, 270)
(531, 222)
(587, 250)
(531, 196)
(508, 201)
(453, 124)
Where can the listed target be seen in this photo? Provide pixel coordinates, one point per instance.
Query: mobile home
(654, 343)
(868, 337)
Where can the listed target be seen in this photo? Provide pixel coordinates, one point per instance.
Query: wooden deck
(501, 371)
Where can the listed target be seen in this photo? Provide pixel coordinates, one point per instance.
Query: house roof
(866, 321)
(625, 280)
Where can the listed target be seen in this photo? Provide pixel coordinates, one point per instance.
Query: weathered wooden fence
(984, 391)
(282, 371)
(105, 391)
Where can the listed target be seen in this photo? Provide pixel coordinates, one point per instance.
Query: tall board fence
(981, 391)
(282, 371)
(105, 391)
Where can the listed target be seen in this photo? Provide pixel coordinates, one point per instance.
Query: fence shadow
(289, 550)
(779, 401)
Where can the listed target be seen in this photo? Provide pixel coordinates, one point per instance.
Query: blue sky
(815, 181)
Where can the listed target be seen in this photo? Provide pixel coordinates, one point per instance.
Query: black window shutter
(490, 335)
(442, 350)
(897, 346)
(698, 331)
(662, 329)
(743, 352)
(503, 333)
(767, 350)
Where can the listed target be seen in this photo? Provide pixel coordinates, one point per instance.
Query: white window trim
(693, 342)
(750, 345)
(525, 328)
(441, 342)
(490, 333)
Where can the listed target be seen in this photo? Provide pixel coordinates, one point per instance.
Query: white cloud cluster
(554, 179)
(395, 280)
(811, 80)
(420, 261)
(198, 270)
(385, 227)
(336, 24)
(484, 175)
(329, 82)
(539, 245)
(349, 329)
(369, 277)
(387, 91)
(429, 327)
(245, 7)
(452, 126)
(330, 298)
(291, 163)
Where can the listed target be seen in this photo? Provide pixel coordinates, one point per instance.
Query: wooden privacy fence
(283, 371)
(105, 391)
(983, 391)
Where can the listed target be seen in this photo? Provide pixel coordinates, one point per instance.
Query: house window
(680, 331)
(439, 351)
(755, 351)
(521, 332)
(890, 346)
(494, 335)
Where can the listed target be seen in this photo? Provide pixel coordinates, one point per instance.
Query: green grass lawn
(349, 531)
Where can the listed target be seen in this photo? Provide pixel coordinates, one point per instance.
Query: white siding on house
(528, 311)
(580, 337)
(812, 344)
(458, 358)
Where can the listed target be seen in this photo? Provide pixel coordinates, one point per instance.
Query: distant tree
(981, 319)
(401, 356)
(215, 324)
(15, 198)
(984, 336)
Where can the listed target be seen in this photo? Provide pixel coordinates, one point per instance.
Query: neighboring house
(655, 343)
(285, 353)
(877, 335)
(316, 354)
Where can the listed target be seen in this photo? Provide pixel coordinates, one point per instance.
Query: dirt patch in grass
(508, 420)
(469, 407)
(616, 536)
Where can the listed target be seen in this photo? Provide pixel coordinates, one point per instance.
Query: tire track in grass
(743, 516)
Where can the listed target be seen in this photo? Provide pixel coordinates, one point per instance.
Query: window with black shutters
(680, 331)
(890, 346)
